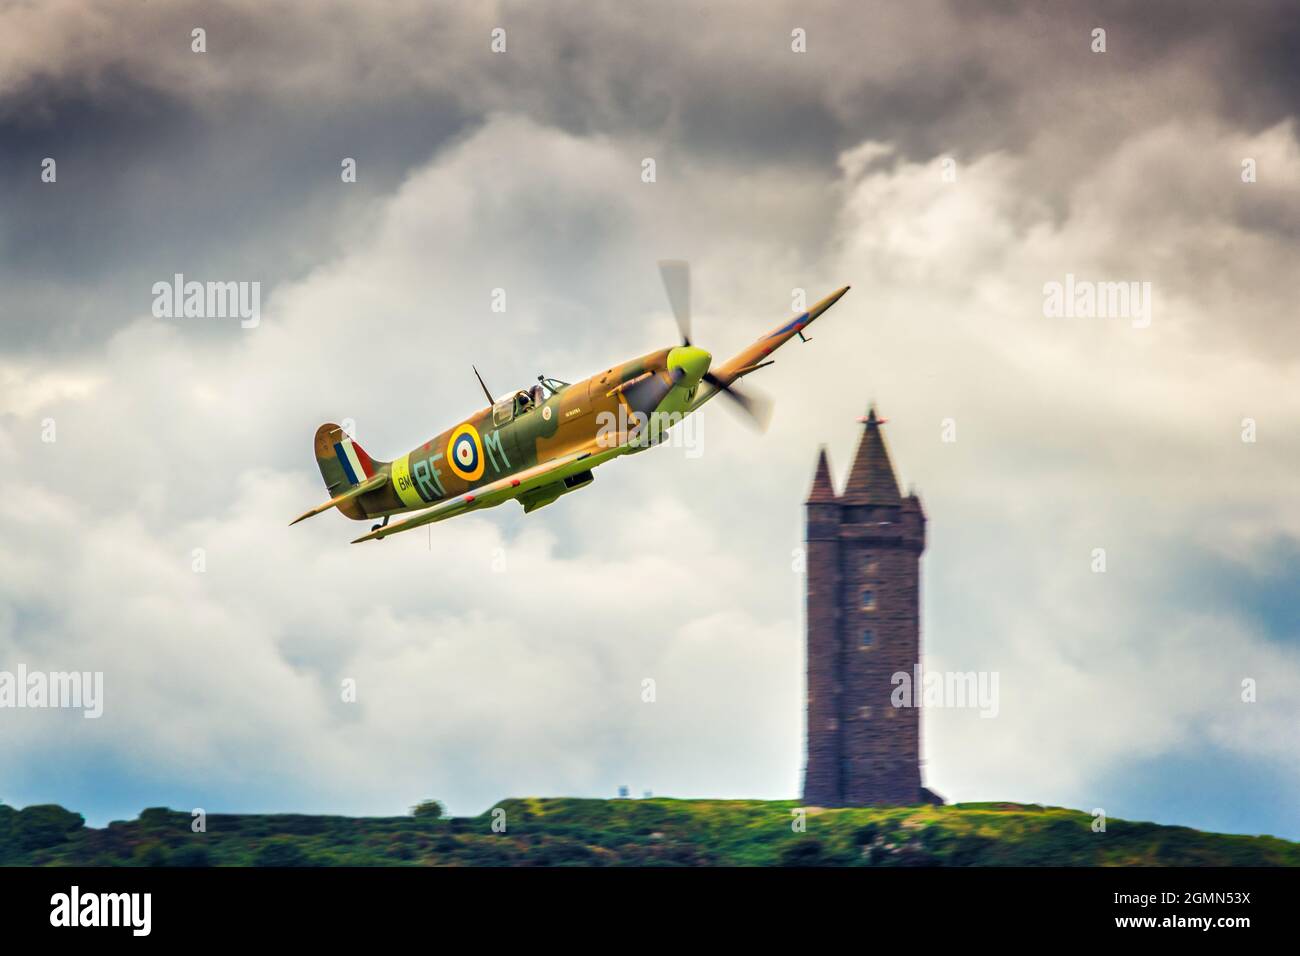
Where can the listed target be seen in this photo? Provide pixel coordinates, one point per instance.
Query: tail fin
(347, 470)
(343, 463)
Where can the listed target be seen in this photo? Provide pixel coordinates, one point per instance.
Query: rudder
(343, 463)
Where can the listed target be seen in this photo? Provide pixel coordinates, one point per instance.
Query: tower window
(868, 599)
(868, 637)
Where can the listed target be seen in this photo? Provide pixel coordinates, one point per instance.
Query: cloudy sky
(945, 159)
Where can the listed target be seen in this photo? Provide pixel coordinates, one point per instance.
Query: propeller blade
(676, 274)
(756, 407)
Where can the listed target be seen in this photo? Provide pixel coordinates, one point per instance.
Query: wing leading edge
(499, 491)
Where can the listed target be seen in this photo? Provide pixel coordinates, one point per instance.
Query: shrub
(152, 853)
(561, 852)
(866, 835)
(427, 810)
(44, 825)
(191, 854)
(8, 836)
(445, 844)
(158, 818)
(302, 824)
(491, 851)
(806, 852)
(277, 852)
(972, 850)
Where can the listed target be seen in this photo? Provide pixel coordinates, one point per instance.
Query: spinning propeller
(676, 274)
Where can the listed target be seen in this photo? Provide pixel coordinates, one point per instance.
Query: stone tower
(863, 616)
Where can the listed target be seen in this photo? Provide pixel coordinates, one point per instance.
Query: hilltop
(648, 832)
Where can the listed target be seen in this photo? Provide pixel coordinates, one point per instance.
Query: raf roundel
(465, 453)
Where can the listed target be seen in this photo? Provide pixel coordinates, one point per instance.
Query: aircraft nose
(692, 361)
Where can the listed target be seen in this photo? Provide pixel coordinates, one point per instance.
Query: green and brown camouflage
(538, 443)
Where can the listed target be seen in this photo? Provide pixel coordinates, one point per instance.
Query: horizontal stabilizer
(370, 484)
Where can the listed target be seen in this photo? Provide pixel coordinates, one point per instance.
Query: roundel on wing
(465, 453)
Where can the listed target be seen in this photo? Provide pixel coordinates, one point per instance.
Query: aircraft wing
(493, 493)
(756, 356)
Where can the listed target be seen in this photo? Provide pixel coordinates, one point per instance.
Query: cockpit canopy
(524, 400)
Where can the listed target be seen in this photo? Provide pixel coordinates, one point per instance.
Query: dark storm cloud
(149, 186)
(958, 72)
(225, 164)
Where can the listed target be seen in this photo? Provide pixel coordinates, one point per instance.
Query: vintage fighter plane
(540, 443)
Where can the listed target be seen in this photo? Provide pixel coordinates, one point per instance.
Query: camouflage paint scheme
(532, 446)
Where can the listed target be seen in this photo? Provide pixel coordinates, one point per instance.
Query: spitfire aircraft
(543, 442)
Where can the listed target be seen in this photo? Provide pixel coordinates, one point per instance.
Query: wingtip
(827, 302)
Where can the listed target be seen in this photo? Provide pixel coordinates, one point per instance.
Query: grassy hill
(650, 832)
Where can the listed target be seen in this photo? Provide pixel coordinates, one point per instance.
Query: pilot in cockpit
(524, 400)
